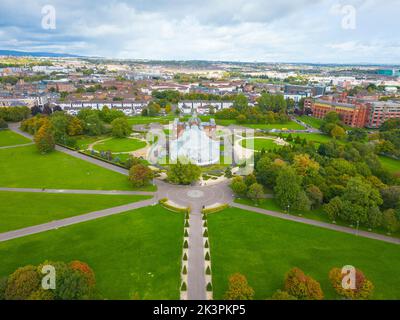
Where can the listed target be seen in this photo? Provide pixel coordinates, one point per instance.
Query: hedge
(100, 158)
(215, 209)
(163, 202)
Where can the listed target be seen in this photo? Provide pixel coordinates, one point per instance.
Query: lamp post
(358, 225)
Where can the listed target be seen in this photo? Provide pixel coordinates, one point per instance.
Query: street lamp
(358, 224)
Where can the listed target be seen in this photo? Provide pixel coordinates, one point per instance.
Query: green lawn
(138, 251)
(267, 248)
(120, 145)
(311, 121)
(289, 125)
(317, 214)
(390, 164)
(279, 126)
(20, 210)
(25, 167)
(83, 142)
(315, 137)
(10, 138)
(147, 120)
(259, 144)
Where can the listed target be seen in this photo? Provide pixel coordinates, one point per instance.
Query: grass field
(10, 138)
(317, 214)
(390, 164)
(83, 142)
(259, 144)
(147, 120)
(25, 167)
(279, 126)
(138, 251)
(20, 210)
(315, 137)
(267, 248)
(311, 121)
(120, 145)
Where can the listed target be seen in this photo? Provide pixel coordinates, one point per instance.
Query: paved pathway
(73, 220)
(196, 262)
(325, 225)
(71, 191)
(17, 146)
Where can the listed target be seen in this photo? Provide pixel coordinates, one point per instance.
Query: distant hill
(36, 54)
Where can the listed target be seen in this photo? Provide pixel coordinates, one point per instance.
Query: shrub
(205, 224)
(185, 257)
(282, 295)
(187, 224)
(186, 233)
(22, 283)
(301, 286)
(184, 271)
(140, 175)
(185, 244)
(209, 287)
(205, 234)
(214, 210)
(206, 245)
(184, 286)
(363, 290)
(85, 270)
(208, 271)
(238, 288)
(207, 257)
(3, 287)
(3, 124)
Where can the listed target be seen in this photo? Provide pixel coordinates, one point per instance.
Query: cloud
(246, 30)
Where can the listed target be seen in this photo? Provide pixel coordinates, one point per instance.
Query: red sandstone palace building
(357, 113)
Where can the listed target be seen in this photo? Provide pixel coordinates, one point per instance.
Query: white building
(129, 108)
(203, 107)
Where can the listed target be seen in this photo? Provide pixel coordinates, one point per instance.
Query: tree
(315, 195)
(250, 180)
(183, 173)
(301, 286)
(267, 170)
(239, 187)
(357, 134)
(337, 132)
(44, 138)
(305, 166)
(93, 125)
(238, 288)
(22, 283)
(256, 192)
(241, 103)
(390, 221)
(75, 127)
(228, 173)
(140, 175)
(288, 188)
(120, 128)
(363, 287)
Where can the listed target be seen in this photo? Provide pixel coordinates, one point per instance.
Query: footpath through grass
(264, 249)
(21, 210)
(134, 252)
(25, 167)
(10, 138)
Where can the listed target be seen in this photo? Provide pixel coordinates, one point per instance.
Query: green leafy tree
(140, 175)
(256, 192)
(120, 128)
(239, 187)
(22, 283)
(288, 189)
(185, 174)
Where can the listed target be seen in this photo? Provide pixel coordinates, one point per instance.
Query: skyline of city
(306, 31)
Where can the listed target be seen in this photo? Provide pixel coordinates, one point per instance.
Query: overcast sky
(230, 30)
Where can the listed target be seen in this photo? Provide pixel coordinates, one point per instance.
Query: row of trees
(299, 286)
(73, 281)
(14, 114)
